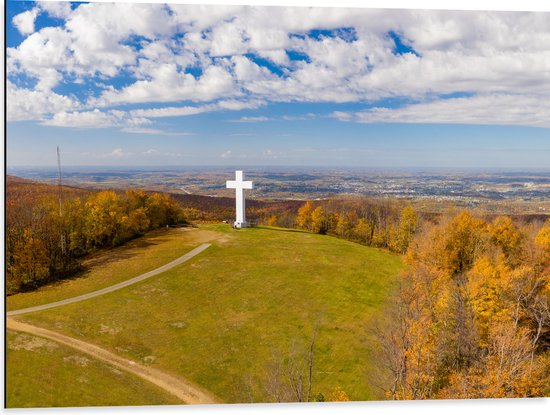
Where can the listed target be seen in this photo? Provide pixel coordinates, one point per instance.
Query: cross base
(240, 225)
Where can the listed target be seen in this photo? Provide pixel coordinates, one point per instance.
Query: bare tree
(289, 377)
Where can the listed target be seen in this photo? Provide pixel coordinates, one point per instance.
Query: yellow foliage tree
(318, 224)
(31, 265)
(338, 395)
(543, 240)
(507, 237)
(407, 227)
(272, 221)
(303, 219)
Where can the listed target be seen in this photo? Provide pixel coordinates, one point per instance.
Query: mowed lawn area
(223, 318)
(51, 375)
(109, 267)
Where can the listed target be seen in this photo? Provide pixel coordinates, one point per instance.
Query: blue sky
(192, 85)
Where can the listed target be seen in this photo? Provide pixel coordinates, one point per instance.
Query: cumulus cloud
(167, 83)
(24, 22)
(57, 9)
(95, 119)
(34, 104)
(198, 59)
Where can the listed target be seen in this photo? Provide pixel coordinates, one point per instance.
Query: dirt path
(118, 286)
(181, 388)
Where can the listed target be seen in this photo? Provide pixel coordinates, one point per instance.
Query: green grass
(219, 318)
(41, 373)
(112, 266)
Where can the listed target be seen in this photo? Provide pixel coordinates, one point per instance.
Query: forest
(48, 232)
(471, 318)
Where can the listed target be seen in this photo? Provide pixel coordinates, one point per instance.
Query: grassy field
(45, 374)
(220, 318)
(112, 266)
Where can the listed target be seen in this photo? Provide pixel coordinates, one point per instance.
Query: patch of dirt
(82, 379)
(149, 359)
(178, 324)
(105, 329)
(78, 360)
(202, 236)
(151, 291)
(31, 343)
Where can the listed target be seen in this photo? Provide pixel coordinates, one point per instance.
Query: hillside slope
(230, 317)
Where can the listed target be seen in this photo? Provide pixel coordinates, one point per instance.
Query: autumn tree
(363, 231)
(272, 220)
(303, 219)
(408, 223)
(318, 220)
(30, 266)
(543, 241)
(507, 237)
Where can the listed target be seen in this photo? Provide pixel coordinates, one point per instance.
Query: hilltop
(228, 317)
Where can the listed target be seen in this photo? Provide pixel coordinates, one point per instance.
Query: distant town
(502, 191)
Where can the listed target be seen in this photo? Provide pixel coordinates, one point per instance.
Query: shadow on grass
(102, 257)
(273, 228)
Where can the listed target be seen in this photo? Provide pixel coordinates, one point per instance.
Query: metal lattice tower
(60, 195)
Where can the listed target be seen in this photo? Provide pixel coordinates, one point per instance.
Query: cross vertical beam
(239, 185)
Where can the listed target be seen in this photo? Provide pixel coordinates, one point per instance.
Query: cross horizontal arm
(234, 184)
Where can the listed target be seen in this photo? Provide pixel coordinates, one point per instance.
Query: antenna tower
(60, 194)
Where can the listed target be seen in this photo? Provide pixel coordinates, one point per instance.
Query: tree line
(382, 224)
(45, 240)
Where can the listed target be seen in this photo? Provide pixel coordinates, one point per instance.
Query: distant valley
(506, 192)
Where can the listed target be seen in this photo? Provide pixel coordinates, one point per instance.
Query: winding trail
(115, 287)
(180, 388)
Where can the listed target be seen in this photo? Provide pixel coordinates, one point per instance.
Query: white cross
(239, 185)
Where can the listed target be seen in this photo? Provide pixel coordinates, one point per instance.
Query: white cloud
(58, 9)
(230, 105)
(484, 109)
(483, 54)
(34, 104)
(95, 119)
(153, 131)
(305, 117)
(116, 153)
(168, 84)
(226, 154)
(234, 105)
(252, 119)
(24, 22)
(172, 111)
